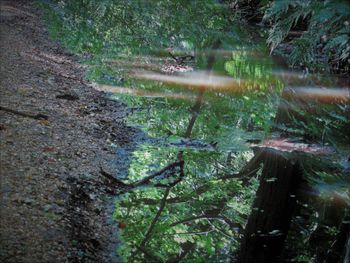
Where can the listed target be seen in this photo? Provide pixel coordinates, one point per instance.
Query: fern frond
(327, 29)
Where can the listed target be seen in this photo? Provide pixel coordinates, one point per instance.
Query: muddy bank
(56, 134)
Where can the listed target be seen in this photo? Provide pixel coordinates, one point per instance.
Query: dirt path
(56, 133)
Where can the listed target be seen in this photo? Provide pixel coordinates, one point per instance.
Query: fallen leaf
(122, 225)
(49, 149)
(44, 122)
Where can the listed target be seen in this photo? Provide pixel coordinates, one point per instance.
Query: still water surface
(241, 155)
(238, 158)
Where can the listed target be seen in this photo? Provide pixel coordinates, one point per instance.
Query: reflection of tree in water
(196, 207)
(203, 222)
(203, 218)
(194, 231)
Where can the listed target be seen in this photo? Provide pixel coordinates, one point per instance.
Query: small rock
(47, 208)
(28, 201)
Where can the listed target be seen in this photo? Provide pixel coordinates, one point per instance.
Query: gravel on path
(56, 133)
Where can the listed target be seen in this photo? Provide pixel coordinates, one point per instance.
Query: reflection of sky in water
(122, 162)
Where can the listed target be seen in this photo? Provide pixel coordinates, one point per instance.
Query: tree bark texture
(339, 246)
(269, 222)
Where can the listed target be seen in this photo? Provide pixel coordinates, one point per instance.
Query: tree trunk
(338, 248)
(272, 211)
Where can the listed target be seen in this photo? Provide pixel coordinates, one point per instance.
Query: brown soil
(56, 133)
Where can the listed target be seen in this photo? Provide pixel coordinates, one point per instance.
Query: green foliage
(139, 26)
(218, 147)
(143, 26)
(326, 39)
(216, 210)
(318, 122)
(199, 193)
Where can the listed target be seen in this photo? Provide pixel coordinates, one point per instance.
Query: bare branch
(251, 168)
(167, 171)
(156, 218)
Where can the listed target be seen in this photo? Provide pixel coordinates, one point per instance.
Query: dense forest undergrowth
(247, 158)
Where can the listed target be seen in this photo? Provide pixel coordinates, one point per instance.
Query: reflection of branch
(186, 248)
(180, 199)
(172, 166)
(202, 232)
(199, 101)
(188, 219)
(148, 255)
(167, 171)
(160, 210)
(181, 59)
(155, 220)
(195, 111)
(219, 229)
(241, 175)
(210, 213)
(251, 168)
(230, 223)
(111, 178)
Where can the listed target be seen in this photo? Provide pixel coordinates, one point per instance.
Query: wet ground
(56, 135)
(212, 152)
